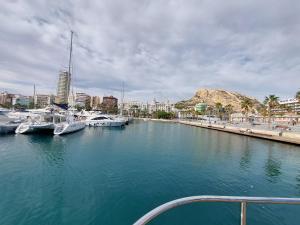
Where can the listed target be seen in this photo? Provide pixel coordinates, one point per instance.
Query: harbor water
(114, 176)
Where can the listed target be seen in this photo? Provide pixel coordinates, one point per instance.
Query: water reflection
(272, 167)
(50, 148)
(298, 182)
(246, 154)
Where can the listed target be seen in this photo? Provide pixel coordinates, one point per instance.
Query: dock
(287, 137)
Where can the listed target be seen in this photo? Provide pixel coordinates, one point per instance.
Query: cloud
(159, 48)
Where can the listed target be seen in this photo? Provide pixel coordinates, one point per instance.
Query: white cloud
(159, 48)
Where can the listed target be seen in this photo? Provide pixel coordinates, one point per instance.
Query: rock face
(213, 96)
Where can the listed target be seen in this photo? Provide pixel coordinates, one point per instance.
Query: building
(200, 107)
(63, 87)
(82, 100)
(110, 104)
(22, 100)
(160, 106)
(95, 102)
(135, 107)
(42, 101)
(288, 106)
(6, 99)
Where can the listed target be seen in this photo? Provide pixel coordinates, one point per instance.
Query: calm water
(114, 176)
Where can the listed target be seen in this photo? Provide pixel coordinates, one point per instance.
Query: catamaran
(39, 123)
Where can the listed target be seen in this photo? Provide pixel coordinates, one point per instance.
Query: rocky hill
(212, 96)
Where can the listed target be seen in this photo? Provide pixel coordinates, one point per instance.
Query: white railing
(243, 200)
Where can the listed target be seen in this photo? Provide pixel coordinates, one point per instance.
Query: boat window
(99, 118)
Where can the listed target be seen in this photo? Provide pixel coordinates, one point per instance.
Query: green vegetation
(298, 95)
(271, 102)
(18, 106)
(179, 105)
(6, 105)
(246, 106)
(228, 109)
(163, 115)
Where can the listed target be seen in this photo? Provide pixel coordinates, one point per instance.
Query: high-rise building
(6, 99)
(82, 99)
(95, 102)
(41, 101)
(110, 104)
(63, 87)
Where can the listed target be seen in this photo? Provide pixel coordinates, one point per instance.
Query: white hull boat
(105, 121)
(25, 128)
(65, 128)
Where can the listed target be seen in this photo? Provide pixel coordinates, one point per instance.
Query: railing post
(243, 213)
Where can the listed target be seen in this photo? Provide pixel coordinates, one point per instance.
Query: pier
(288, 137)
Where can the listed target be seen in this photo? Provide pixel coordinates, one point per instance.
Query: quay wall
(279, 136)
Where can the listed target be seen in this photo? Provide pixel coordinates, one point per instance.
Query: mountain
(212, 96)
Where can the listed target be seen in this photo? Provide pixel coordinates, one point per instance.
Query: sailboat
(127, 119)
(71, 124)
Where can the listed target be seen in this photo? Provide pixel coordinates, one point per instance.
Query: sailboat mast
(70, 61)
(34, 96)
(122, 99)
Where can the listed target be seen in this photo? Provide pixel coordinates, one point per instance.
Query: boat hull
(66, 128)
(102, 123)
(24, 128)
(8, 128)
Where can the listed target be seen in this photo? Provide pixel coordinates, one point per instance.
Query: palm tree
(228, 110)
(271, 102)
(219, 109)
(209, 111)
(246, 106)
(298, 95)
(263, 112)
(298, 98)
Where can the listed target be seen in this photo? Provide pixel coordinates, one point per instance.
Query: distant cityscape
(80, 100)
(112, 105)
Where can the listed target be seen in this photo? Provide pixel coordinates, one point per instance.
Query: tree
(271, 102)
(219, 109)
(164, 115)
(298, 95)
(298, 98)
(263, 112)
(87, 106)
(228, 110)
(246, 105)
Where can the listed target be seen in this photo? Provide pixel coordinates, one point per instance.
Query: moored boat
(7, 125)
(69, 126)
(42, 123)
(105, 121)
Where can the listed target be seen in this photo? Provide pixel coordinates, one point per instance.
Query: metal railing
(243, 200)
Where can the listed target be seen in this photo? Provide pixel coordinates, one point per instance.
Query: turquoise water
(114, 176)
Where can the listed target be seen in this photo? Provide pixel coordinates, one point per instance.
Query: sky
(163, 49)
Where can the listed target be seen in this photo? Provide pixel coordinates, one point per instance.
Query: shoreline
(272, 135)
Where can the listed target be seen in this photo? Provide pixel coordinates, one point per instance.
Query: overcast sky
(165, 49)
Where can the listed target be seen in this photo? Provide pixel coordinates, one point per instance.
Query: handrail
(208, 198)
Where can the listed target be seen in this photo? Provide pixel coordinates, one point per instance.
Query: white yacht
(41, 123)
(71, 125)
(105, 121)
